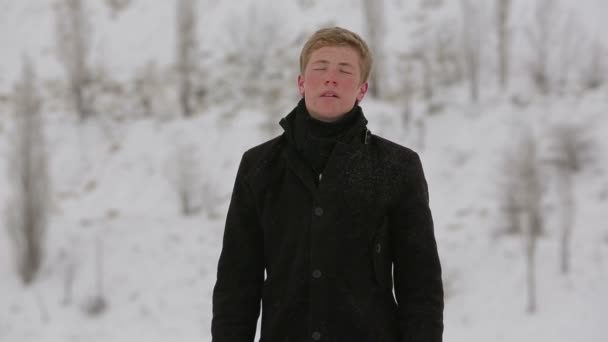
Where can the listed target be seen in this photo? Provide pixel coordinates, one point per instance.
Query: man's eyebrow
(323, 61)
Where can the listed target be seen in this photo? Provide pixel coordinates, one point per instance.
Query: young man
(327, 219)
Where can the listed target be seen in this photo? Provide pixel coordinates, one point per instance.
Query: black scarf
(314, 140)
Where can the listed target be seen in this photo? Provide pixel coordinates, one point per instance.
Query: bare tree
(569, 44)
(27, 213)
(414, 117)
(503, 12)
(73, 34)
(448, 60)
(69, 276)
(471, 43)
(252, 49)
(422, 56)
(433, 60)
(521, 192)
(556, 40)
(595, 70)
(570, 151)
(260, 55)
(373, 12)
(186, 175)
(149, 91)
(424, 59)
(188, 181)
(530, 215)
(541, 38)
(408, 91)
(186, 53)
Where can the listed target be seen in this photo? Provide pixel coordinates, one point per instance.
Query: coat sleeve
(240, 274)
(417, 270)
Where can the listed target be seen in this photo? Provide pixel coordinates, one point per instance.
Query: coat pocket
(382, 256)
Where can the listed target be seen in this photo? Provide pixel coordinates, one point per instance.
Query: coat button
(319, 211)
(378, 248)
(317, 274)
(316, 336)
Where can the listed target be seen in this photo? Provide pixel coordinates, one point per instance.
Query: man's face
(331, 82)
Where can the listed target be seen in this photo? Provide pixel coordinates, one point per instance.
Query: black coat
(323, 256)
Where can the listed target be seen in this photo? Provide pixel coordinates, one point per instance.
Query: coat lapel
(339, 165)
(300, 168)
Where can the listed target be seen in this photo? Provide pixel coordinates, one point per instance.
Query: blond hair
(337, 36)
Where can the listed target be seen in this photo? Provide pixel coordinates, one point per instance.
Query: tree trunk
(503, 11)
(373, 12)
(567, 210)
(186, 52)
(530, 246)
(27, 212)
(471, 28)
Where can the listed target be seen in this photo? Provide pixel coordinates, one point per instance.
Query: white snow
(113, 186)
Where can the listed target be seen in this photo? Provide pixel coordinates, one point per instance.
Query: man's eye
(319, 69)
(345, 72)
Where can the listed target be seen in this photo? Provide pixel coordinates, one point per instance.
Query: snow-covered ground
(114, 194)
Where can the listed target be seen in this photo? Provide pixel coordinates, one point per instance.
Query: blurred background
(122, 123)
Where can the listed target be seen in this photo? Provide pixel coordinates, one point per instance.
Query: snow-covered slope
(114, 189)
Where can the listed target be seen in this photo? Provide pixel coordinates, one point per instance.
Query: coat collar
(357, 136)
(341, 158)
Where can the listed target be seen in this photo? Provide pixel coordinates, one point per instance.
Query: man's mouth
(329, 94)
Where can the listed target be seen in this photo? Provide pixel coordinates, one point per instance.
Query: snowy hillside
(115, 203)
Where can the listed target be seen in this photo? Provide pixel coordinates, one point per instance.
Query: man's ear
(301, 84)
(362, 91)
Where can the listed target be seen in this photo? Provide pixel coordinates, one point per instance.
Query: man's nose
(331, 77)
